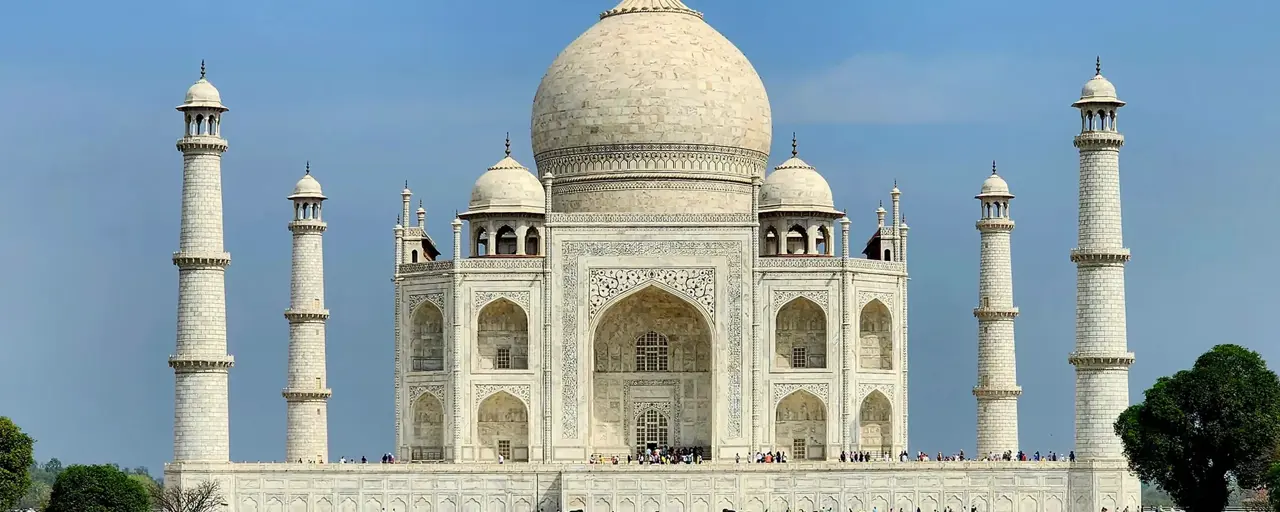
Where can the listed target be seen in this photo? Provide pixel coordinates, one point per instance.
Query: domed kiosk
(651, 110)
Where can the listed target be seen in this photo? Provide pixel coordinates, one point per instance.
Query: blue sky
(373, 93)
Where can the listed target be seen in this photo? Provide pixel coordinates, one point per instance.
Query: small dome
(307, 187)
(796, 186)
(1098, 90)
(994, 185)
(507, 187)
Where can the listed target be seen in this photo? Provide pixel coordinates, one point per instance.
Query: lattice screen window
(799, 357)
(651, 428)
(651, 352)
(503, 361)
(504, 448)
(798, 449)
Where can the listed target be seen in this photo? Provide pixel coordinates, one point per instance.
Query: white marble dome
(994, 185)
(507, 187)
(307, 187)
(203, 94)
(651, 71)
(795, 186)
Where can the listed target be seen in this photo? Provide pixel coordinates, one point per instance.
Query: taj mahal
(654, 284)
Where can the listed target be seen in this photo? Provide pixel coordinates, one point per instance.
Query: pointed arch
(800, 426)
(506, 241)
(771, 241)
(800, 335)
(502, 336)
(875, 424)
(480, 242)
(823, 243)
(427, 338)
(629, 336)
(875, 337)
(428, 429)
(502, 428)
(797, 240)
(532, 243)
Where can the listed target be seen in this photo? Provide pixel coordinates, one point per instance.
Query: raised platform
(808, 487)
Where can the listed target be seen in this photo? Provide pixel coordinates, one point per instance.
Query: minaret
(200, 362)
(1101, 355)
(306, 393)
(997, 390)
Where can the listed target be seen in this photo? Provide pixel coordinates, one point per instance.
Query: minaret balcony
(995, 313)
(314, 315)
(302, 226)
(1085, 361)
(1100, 257)
(997, 393)
(304, 395)
(198, 364)
(1099, 140)
(205, 142)
(199, 260)
(995, 224)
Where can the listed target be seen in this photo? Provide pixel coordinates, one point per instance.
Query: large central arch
(652, 354)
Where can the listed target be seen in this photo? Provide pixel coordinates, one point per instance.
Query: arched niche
(800, 426)
(875, 337)
(502, 428)
(800, 336)
(797, 240)
(502, 337)
(427, 339)
(428, 429)
(875, 424)
(661, 339)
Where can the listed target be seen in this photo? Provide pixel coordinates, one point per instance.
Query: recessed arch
(427, 430)
(823, 242)
(619, 298)
(771, 241)
(532, 243)
(480, 242)
(800, 335)
(426, 338)
(800, 426)
(875, 337)
(506, 241)
(797, 240)
(627, 341)
(502, 336)
(502, 427)
(875, 424)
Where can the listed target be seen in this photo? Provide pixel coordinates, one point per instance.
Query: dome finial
(993, 167)
(794, 152)
(308, 167)
(1097, 66)
(508, 150)
(202, 69)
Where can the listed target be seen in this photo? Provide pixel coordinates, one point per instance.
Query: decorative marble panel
(483, 391)
(818, 389)
(866, 389)
(867, 296)
(482, 298)
(782, 297)
(436, 390)
(434, 298)
(733, 251)
(696, 284)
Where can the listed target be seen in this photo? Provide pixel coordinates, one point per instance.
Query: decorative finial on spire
(1097, 66)
(508, 144)
(419, 203)
(406, 183)
(794, 152)
(993, 167)
(882, 203)
(308, 167)
(202, 69)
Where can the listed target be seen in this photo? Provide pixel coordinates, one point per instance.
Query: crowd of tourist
(677, 455)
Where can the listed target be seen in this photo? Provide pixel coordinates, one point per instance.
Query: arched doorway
(426, 339)
(652, 430)
(800, 426)
(502, 428)
(800, 336)
(502, 337)
(428, 429)
(875, 337)
(652, 351)
(875, 424)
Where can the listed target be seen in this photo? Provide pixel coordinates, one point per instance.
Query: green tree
(101, 488)
(1201, 429)
(204, 497)
(15, 463)
(53, 466)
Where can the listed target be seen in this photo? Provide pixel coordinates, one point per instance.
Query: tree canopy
(204, 497)
(100, 488)
(1200, 429)
(15, 460)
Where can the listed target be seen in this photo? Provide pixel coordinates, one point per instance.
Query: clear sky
(373, 93)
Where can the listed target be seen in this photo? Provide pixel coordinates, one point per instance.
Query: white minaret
(307, 424)
(997, 390)
(1101, 355)
(200, 362)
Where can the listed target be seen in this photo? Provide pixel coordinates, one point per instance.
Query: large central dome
(651, 110)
